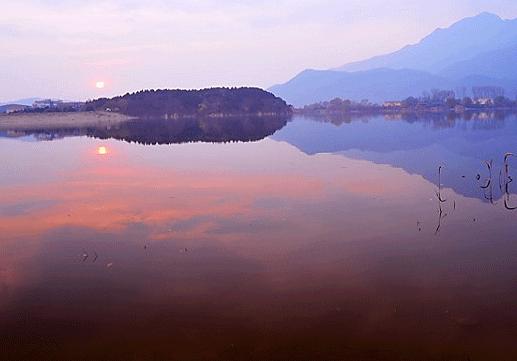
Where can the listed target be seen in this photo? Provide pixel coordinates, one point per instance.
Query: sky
(61, 49)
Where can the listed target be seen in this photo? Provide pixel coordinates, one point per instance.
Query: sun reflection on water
(102, 150)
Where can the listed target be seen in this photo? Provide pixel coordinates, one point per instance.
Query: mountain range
(476, 51)
(25, 101)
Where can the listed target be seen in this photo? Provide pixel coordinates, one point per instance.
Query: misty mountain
(499, 63)
(11, 108)
(476, 51)
(376, 85)
(25, 101)
(445, 47)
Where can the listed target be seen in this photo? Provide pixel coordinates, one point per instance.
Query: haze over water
(323, 240)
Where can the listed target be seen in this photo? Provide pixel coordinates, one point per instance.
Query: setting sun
(102, 151)
(100, 85)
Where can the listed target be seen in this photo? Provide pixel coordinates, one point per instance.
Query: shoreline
(60, 120)
(26, 121)
(408, 112)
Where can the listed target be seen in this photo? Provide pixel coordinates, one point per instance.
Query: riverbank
(24, 121)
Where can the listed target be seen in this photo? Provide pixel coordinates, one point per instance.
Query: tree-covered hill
(213, 102)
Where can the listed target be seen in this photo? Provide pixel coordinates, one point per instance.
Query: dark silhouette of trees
(452, 102)
(501, 101)
(214, 102)
(410, 102)
(467, 101)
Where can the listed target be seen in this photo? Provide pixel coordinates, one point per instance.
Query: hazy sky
(60, 48)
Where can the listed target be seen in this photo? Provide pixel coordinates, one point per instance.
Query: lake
(352, 238)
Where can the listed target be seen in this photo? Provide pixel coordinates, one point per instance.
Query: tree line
(437, 100)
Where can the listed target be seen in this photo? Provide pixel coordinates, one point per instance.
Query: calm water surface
(316, 240)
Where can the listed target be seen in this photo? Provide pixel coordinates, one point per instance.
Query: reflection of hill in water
(417, 144)
(160, 131)
(193, 130)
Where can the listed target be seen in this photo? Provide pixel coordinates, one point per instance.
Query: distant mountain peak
(446, 46)
(486, 14)
(484, 18)
(475, 51)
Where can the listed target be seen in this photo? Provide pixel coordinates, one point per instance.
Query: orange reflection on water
(109, 195)
(321, 239)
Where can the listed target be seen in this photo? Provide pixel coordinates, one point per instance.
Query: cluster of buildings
(57, 104)
(482, 97)
(438, 105)
(401, 103)
(52, 105)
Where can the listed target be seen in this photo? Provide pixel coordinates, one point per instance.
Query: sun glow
(102, 151)
(100, 84)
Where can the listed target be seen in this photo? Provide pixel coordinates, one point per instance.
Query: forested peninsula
(212, 102)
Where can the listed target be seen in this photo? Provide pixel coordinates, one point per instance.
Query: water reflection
(160, 131)
(418, 144)
(491, 119)
(253, 251)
